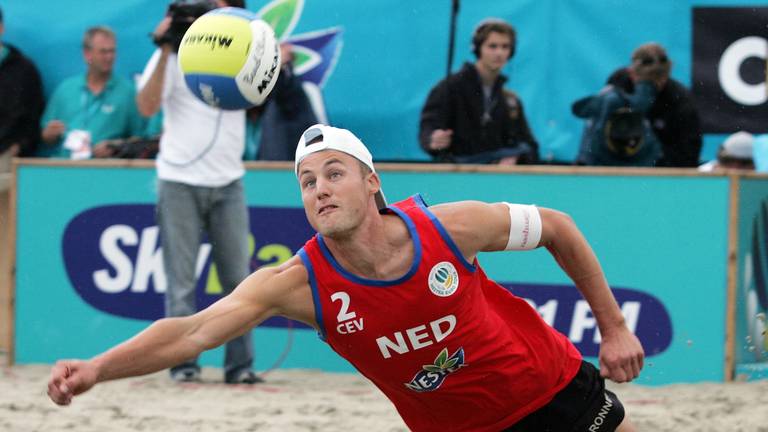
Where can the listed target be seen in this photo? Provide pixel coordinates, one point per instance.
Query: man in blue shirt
(87, 111)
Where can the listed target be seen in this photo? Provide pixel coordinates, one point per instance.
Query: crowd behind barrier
(409, 150)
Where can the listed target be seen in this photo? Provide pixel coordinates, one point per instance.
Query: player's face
(335, 192)
(101, 55)
(494, 52)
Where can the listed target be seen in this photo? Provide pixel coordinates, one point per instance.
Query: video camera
(183, 13)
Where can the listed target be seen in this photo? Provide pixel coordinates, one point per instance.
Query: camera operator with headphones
(199, 170)
(467, 117)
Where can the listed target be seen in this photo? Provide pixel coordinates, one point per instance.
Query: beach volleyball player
(398, 292)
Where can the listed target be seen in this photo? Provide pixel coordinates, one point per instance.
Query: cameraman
(199, 170)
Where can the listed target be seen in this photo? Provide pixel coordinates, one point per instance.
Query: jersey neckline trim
(372, 282)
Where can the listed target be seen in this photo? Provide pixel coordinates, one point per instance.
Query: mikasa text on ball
(230, 59)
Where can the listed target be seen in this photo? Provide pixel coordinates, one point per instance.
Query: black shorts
(583, 405)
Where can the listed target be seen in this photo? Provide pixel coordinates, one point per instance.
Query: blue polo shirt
(110, 114)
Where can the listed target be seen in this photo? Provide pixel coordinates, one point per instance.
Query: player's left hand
(70, 378)
(621, 355)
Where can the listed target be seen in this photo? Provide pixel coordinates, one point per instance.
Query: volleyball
(230, 59)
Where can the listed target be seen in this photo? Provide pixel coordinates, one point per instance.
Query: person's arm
(170, 341)
(149, 98)
(51, 127)
(434, 126)
(621, 355)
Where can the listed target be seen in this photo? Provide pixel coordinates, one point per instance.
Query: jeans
(183, 213)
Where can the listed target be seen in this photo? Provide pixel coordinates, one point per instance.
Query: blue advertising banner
(375, 61)
(89, 272)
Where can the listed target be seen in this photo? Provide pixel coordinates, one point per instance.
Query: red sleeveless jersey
(453, 350)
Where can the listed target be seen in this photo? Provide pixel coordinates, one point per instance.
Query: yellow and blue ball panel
(212, 53)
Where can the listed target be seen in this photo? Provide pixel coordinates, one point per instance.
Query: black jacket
(674, 119)
(457, 103)
(286, 113)
(21, 102)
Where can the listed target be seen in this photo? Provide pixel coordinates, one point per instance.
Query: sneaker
(245, 377)
(186, 374)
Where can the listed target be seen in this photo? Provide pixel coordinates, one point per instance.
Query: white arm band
(524, 227)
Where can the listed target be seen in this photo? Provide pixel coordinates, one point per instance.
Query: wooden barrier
(733, 176)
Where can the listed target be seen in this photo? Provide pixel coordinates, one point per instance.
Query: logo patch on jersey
(431, 376)
(443, 279)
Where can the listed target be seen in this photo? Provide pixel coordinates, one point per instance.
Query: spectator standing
(465, 118)
(21, 93)
(673, 115)
(200, 189)
(90, 109)
(21, 103)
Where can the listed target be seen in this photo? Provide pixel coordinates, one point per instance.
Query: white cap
(321, 137)
(331, 138)
(738, 145)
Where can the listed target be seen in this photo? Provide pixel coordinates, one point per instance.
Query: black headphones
(481, 33)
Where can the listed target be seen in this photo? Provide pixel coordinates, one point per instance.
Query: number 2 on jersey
(346, 319)
(344, 313)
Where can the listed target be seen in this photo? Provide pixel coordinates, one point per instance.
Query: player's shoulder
(463, 216)
(459, 209)
(471, 225)
(290, 275)
(278, 286)
(293, 270)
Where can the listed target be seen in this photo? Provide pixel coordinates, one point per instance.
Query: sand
(310, 400)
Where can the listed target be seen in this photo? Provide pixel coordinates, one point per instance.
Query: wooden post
(7, 242)
(11, 274)
(5, 267)
(732, 268)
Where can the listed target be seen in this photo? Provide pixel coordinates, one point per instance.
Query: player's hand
(70, 378)
(621, 355)
(440, 139)
(53, 130)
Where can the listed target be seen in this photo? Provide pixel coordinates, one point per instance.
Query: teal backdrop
(662, 241)
(392, 52)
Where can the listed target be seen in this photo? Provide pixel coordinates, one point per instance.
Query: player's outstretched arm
(621, 355)
(171, 341)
